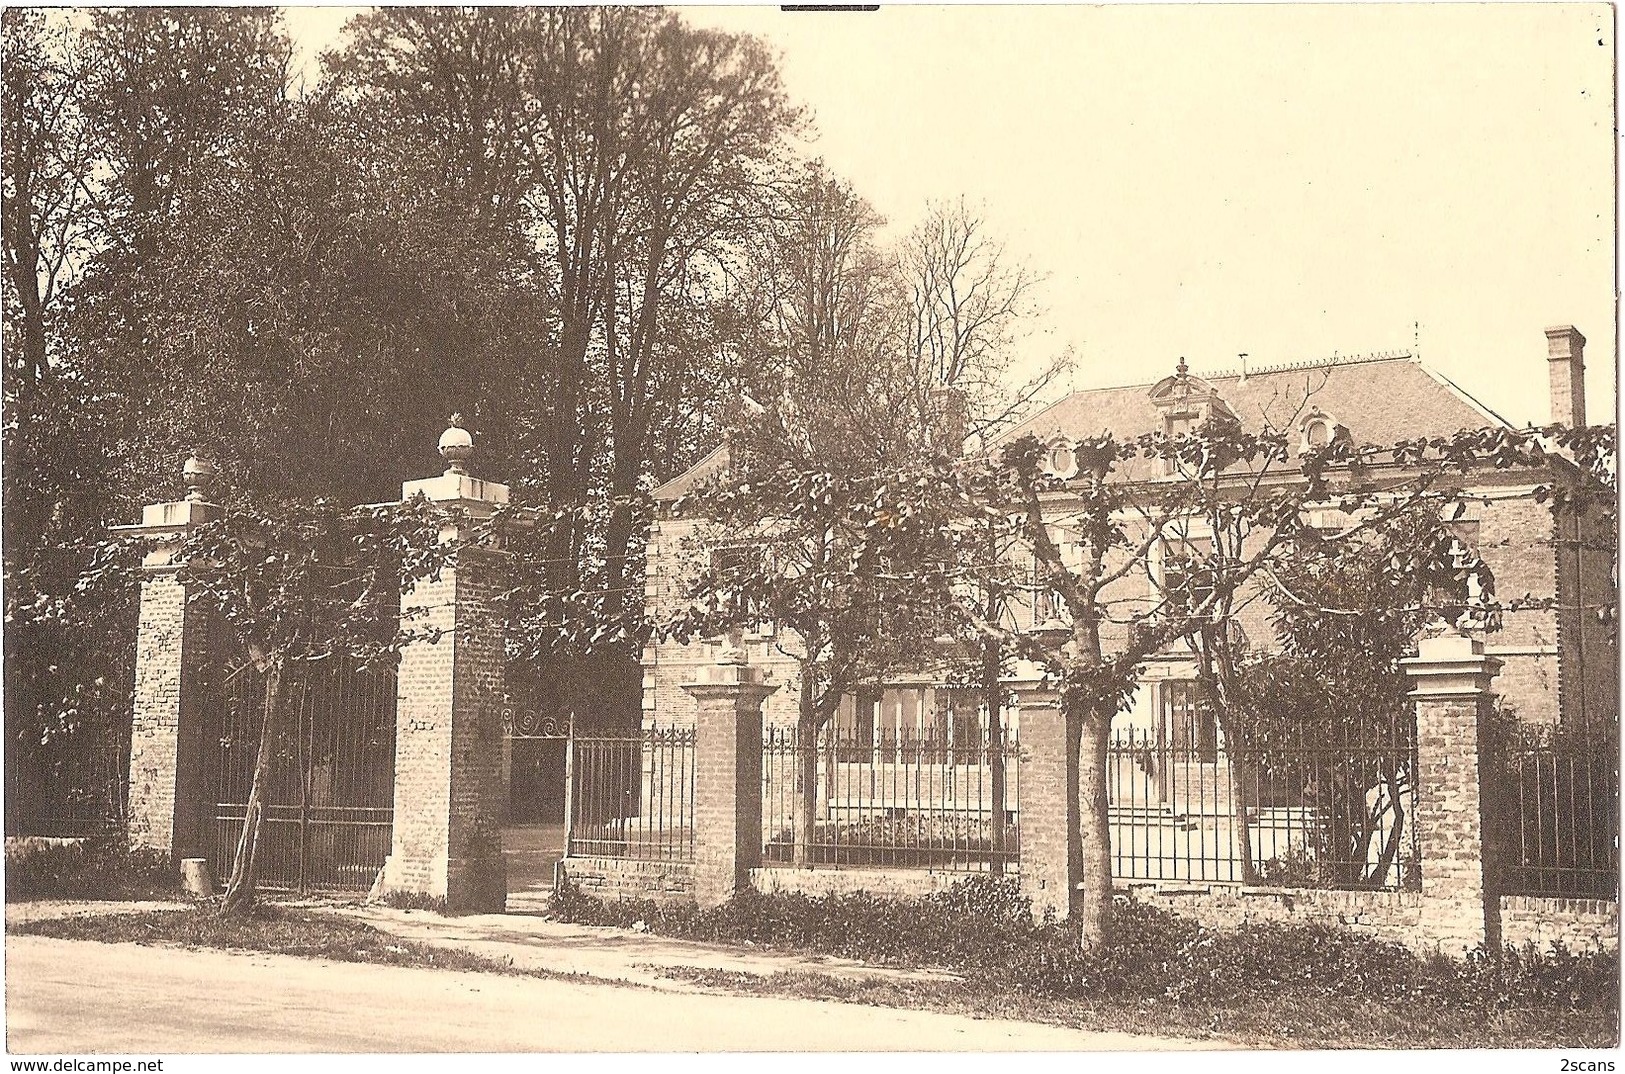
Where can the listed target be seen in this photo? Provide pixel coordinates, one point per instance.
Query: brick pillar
(1051, 849)
(1451, 677)
(166, 807)
(447, 840)
(728, 699)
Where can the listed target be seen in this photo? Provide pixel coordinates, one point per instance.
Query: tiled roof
(712, 464)
(1380, 400)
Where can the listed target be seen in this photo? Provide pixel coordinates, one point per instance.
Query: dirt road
(66, 996)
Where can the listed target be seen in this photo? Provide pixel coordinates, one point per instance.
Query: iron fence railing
(1555, 815)
(631, 795)
(72, 785)
(1321, 807)
(330, 803)
(892, 802)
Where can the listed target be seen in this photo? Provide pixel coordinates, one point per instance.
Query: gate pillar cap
(172, 518)
(1449, 663)
(455, 486)
(736, 675)
(1030, 686)
(731, 673)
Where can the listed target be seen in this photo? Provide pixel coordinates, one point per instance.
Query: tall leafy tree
(626, 147)
(105, 115)
(47, 191)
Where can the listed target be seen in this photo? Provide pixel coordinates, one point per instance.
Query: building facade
(1558, 654)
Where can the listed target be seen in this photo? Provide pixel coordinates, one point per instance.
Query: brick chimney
(1565, 358)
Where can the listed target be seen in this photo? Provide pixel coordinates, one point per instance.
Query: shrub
(983, 927)
(100, 868)
(413, 900)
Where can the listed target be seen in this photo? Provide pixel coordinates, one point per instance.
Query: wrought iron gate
(330, 807)
(538, 772)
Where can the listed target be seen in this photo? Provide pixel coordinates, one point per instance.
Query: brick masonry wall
(1514, 537)
(1394, 916)
(165, 797)
(613, 878)
(1578, 924)
(448, 742)
(887, 883)
(1588, 684)
(1449, 820)
(727, 785)
(1050, 860)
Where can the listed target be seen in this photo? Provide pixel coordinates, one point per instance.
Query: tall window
(1187, 579)
(1189, 725)
(898, 717)
(957, 719)
(855, 721)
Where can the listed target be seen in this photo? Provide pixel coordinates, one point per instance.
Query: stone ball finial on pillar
(198, 474)
(456, 446)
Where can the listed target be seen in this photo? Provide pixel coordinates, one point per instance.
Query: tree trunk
(239, 897)
(1087, 737)
(1242, 780)
(1396, 831)
(806, 783)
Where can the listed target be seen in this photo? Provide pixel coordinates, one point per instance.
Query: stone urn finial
(456, 446)
(198, 474)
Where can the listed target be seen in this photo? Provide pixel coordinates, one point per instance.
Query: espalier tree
(818, 554)
(1149, 542)
(1207, 520)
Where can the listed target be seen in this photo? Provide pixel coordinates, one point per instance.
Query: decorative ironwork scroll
(528, 723)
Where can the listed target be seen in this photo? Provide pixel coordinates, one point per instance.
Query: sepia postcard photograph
(709, 530)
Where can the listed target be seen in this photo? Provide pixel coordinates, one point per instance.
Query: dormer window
(1062, 459)
(1319, 430)
(1186, 403)
(1181, 422)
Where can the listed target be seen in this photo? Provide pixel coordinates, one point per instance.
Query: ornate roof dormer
(1186, 401)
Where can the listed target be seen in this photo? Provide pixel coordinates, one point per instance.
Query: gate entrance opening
(536, 781)
(330, 804)
(537, 751)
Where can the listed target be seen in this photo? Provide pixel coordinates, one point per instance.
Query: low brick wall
(888, 883)
(617, 878)
(1578, 924)
(1404, 917)
(1396, 916)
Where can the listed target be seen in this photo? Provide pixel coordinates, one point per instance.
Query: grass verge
(1269, 986)
(1271, 1021)
(269, 928)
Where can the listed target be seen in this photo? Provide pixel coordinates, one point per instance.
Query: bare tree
(969, 304)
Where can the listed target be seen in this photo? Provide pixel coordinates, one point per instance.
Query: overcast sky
(1285, 181)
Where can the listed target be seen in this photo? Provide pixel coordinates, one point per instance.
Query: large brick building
(1558, 663)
